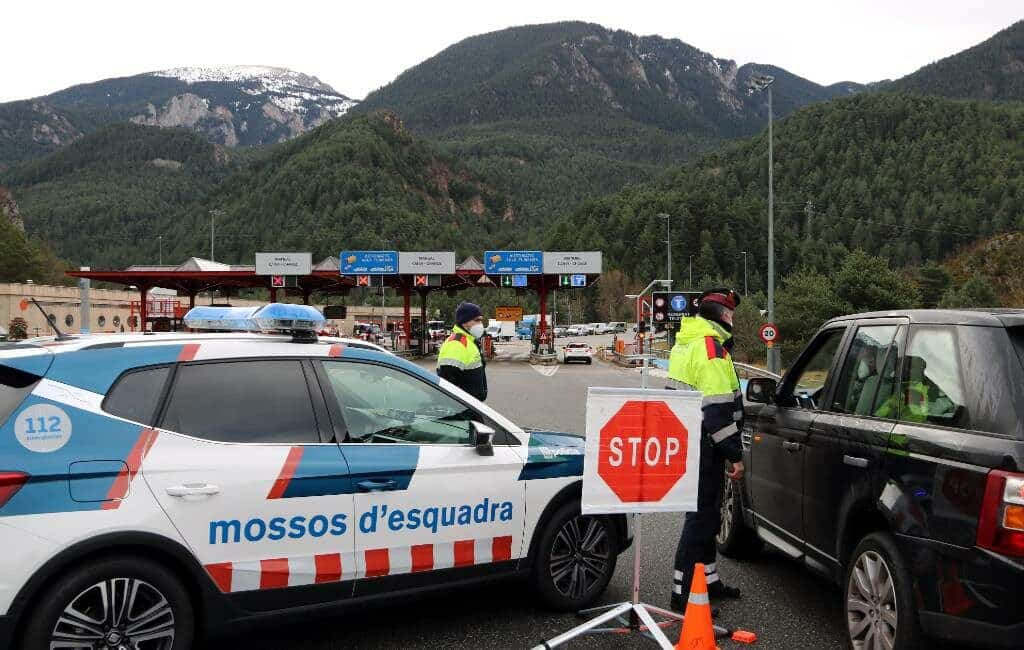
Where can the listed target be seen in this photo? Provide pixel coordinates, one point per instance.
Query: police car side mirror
(761, 390)
(482, 438)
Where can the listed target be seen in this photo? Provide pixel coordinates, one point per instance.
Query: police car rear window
(136, 394)
(242, 401)
(15, 385)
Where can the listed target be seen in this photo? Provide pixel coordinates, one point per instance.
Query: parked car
(577, 351)
(559, 332)
(585, 329)
(890, 458)
(599, 328)
(574, 330)
(617, 327)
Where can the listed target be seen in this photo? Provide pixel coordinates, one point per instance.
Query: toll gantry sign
(642, 451)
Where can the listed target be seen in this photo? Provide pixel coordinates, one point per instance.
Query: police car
(150, 483)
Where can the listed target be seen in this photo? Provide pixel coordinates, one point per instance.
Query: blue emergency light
(275, 317)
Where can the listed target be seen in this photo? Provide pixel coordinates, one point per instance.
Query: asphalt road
(787, 606)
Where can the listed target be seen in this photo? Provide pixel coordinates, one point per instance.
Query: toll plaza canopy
(405, 272)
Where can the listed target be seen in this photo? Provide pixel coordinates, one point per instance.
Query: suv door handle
(193, 490)
(792, 446)
(855, 461)
(376, 485)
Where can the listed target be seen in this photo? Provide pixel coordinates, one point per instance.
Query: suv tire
(575, 558)
(735, 539)
(878, 596)
(151, 594)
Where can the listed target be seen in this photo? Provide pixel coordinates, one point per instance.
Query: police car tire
(882, 545)
(542, 580)
(51, 604)
(734, 538)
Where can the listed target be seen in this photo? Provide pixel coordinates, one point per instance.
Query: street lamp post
(668, 245)
(691, 272)
(764, 83)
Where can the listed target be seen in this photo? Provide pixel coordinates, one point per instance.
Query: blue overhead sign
(579, 280)
(513, 262)
(368, 262)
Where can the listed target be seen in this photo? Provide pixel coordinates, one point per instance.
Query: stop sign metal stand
(632, 616)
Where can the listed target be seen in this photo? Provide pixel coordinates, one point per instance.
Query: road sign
(436, 262)
(277, 281)
(769, 334)
(572, 262)
(508, 313)
(673, 306)
(284, 263)
(579, 280)
(426, 280)
(642, 450)
(369, 281)
(513, 262)
(368, 262)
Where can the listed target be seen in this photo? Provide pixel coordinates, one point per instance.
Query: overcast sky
(358, 46)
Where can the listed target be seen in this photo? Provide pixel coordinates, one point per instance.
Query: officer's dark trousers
(697, 543)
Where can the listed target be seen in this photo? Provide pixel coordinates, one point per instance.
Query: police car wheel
(126, 603)
(575, 560)
(735, 539)
(881, 610)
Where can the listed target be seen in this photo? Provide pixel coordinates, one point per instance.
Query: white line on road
(547, 371)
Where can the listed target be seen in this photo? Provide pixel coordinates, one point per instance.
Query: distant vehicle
(583, 329)
(501, 330)
(890, 458)
(559, 332)
(436, 329)
(577, 351)
(367, 332)
(599, 328)
(574, 330)
(616, 327)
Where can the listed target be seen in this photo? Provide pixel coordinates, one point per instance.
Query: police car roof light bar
(302, 321)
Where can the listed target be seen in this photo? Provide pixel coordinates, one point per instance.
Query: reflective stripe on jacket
(459, 361)
(699, 361)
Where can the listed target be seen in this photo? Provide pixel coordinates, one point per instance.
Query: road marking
(547, 371)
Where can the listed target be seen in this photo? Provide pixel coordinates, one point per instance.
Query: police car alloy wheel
(117, 604)
(576, 559)
(878, 599)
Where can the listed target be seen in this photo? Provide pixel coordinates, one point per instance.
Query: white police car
(150, 482)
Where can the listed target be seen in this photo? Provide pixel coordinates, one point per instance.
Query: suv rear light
(1001, 525)
(10, 483)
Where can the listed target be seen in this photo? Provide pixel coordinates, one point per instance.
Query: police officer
(459, 360)
(700, 360)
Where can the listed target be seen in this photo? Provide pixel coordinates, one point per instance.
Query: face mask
(863, 370)
(477, 330)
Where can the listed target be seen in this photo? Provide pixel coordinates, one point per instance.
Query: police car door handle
(792, 446)
(855, 461)
(193, 490)
(376, 485)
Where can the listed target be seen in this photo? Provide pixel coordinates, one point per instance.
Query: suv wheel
(117, 603)
(575, 558)
(735, 539)
(880, 612)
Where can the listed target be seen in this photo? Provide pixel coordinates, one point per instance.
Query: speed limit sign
(769, 334)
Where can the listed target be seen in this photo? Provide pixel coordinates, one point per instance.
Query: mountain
(110, 194)
(228, 105)
(993, 69)
(557, 113)
(908, 178)
(113, 197)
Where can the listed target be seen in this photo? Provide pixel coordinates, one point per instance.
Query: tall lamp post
(764, 83)
(668, 245)
(691, 273)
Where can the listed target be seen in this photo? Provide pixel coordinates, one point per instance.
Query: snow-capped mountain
(229, 105)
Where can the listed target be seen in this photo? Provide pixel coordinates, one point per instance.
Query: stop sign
(642, 451)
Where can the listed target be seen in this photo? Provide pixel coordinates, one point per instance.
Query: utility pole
(744, 273)
(214, 213)
(809, 212)
(691, 272)
(668, 245)
(764, 83)
(160, 259)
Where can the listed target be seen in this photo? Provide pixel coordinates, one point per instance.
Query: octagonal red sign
(642, 453)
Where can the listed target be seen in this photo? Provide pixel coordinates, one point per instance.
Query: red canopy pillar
(543, 307)
(273, 294)
(143, 306)
(406, 306)
(424, 343)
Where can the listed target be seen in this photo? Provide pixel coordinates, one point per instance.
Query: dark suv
(890, 458)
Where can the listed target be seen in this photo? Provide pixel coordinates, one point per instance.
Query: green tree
(867, 283)
(975, 292)
(746, 330)
(805, 301)
(933, 281)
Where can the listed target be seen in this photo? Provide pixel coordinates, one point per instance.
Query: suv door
(426, 499)
(241, 469)
(847, 442)
(777, 447)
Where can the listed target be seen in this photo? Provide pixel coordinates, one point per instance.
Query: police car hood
(553, 455)
(693, 329)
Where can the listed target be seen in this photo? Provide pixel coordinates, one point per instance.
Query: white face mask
(477, 330)
(863, 370)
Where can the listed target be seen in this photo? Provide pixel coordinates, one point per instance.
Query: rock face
(9, 209)
(32, 128)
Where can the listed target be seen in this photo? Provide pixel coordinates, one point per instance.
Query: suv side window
(931, 385)
(136, 394)
(807, 385)
(242, 401)
(381, 404)
(866, 371)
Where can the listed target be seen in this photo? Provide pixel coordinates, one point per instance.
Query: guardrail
(756, 371)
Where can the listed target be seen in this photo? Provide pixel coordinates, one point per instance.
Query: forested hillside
(908, 178)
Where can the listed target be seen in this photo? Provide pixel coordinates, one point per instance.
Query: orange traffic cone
(698, 632)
